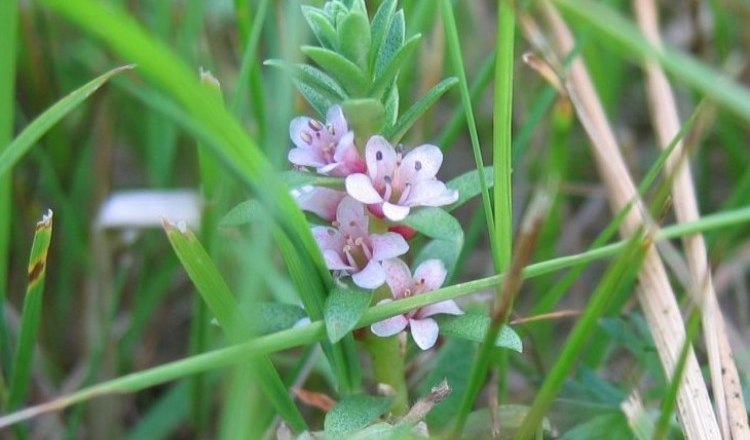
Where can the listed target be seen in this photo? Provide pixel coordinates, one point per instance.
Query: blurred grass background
(124, 137)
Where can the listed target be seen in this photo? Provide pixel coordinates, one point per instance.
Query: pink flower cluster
(389, 183)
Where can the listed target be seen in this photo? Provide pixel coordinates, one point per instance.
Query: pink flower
(319, 200)
(430, 275)
(393, 184)
(350, 249)
(327, 147)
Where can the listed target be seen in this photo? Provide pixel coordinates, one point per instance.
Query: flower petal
(328, 238)
(371, 277)
(334, 262)
(430, 193)
(305, 157)
(319, 200)
(380, 157)
(395, 212)
(352, 218)
(421, 163)
(448, 307)
(360, 187)
(397, 275)
(424, 332)
(390, 326)
(335, 117)
(347, 155)
(432, 273)
(295, 131)
(388, 245)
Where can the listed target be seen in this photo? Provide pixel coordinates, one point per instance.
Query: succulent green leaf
(379, 28)
(321, 103)
(366, 117)
(354, 413)
(414, 112)
(354, 39)
(468, 186)
(343, 309)
(444, 229)
(393, 42)
(474, 327)
(321, 26)
(271, 317)
(312, 77)
(343, 70)
(391, 106)
(389, 74)
(296, 179)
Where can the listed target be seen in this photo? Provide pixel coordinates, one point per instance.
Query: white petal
(395, 212)
(432, 272)
(295, 129)
(336, 118)
(328, 238)
(445, 307)
(380, 157)
(421, 163)
(397, 275)
(390, 326)
(424, 332)
(388, 245)
(371, 277)
(360, 187)
(430, 193)
(334, 262)
(305, 157)
(352, 218)
(320, 200)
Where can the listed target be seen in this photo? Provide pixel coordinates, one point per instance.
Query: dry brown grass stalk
(655, 293)
(728, 399)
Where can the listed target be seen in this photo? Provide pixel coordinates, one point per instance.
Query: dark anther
(379, 155)
(417, 165)
(387, 179)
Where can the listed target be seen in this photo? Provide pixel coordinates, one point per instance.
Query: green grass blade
(625, 266)
(9, 12)
(32, 313)
(316, 332)
(454, 49)
(624, 34)
(31, 134)
(221, 303)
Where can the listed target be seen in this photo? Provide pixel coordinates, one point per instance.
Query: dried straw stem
(655, 291)
(727, 390)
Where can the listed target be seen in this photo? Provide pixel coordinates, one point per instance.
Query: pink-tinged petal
(380, 157)
(351, 217)
(397, 275)
(334, 262)
(424, 332)
(335, 117)
(360, 187)
(388, 245)
(319, 200)
(445, 307)
(328, 238)
(390, 326)
(421, 163)
(371, 277)
(295, 131)
(430, 193)
(432, 273)
(347, 154)
(395, 212)
(305, 157)
(328, 169)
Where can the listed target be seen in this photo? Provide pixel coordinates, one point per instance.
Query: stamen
(348, 254)
(366, 250)
(404, 194)
(407, 293)
(305, 136)
(315, 124)
(388, 188)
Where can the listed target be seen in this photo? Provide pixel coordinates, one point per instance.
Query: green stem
(388, 368)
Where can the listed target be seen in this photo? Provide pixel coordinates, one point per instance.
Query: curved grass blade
(32, 313)
(221, 303)
(316, 332)
(34, 131)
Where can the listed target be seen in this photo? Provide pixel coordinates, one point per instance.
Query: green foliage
(343, 309)
(354, 413)
(474, 328)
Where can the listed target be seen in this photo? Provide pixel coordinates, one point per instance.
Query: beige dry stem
(730, 405)
(655, 291)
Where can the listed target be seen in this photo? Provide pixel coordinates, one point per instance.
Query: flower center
(357, 252)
